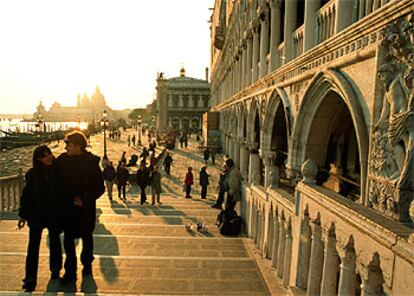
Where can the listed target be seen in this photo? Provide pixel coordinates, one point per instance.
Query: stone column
(244, 160)
(275, 27)
(269, 244)
(254, 164)
(255, 58)
(343, 14)
(231, 144)
(259, 230)
(347, 275)
(269, 157)
(180, 102)
(243, 64)
(170, 101)
(264, 40)
(236, 151)
(330, 265)
(275, 241)
(249, 57)
(310, 30)
(281, 248)
(290, 26)
(316, 261)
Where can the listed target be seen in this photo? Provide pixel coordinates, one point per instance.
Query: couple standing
(60, 195)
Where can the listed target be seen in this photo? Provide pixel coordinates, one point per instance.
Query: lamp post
(139, 121)
(104, 122)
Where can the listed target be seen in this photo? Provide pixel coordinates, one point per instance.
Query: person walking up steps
(122, 174)
(142, 181)
(39, 208)
(109, 175)
(204, 182)
(167, 163)
(188, 182)
(155, 181)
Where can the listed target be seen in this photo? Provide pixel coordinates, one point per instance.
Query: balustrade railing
(326, 21)
(10, 190)
(298, 40)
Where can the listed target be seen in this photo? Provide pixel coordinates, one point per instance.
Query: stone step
(152, 276)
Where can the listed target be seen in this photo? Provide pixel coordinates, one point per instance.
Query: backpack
(229, 222)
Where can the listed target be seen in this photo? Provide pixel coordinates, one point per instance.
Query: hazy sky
(53, 50)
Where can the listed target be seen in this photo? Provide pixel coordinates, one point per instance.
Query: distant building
(86, 109)
(181, 101)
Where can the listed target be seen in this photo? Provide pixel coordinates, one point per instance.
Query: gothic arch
(323, 83)
(277, 97)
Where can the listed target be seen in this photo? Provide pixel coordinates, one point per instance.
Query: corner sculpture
(391, 166)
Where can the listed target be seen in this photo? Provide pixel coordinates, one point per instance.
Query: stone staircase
(144, 250)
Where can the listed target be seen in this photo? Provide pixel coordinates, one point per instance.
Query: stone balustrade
(298, 41)
(325, 244)
(10, 190)
(326, 21)
(281, 54)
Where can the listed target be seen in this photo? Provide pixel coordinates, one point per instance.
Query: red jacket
(189, 179)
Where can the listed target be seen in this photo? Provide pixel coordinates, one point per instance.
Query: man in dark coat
(167, 163)
(122, 174)
(80, 184)
(204, 182)
(206, 155)
(143, 181)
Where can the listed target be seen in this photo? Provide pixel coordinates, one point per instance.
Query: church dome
(97, 98)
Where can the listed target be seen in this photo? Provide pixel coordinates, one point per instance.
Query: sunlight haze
(55, 50)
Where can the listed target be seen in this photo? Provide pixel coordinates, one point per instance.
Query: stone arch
(254, 111)
(322, 84)
(277, 97)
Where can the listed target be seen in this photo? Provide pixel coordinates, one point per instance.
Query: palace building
(181, 101)
(316, 107)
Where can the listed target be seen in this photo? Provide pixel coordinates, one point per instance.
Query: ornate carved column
(309, 34)
(236, 151)
(347, 274)
(244, 160)
(255, 58)
(316, 261)
(290, 26)
(254, 164)
(330, 264)
(271, 171)
(281, 248)
(264, 38)
(275, 29)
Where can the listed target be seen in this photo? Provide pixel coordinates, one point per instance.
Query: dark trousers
(86, 255)
(220, 198)
(203, 191)
(230, 203)
(187, 190)
(121, 189)
(143, 194)
(32, 259)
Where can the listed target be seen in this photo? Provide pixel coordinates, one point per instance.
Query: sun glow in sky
(53, 50)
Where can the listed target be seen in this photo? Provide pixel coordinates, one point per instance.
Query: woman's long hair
(39, 153)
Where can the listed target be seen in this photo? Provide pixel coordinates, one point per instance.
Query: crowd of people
(60, 195)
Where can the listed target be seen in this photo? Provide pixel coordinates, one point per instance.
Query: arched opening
(279, 144)
(333, 145)
(256, 139)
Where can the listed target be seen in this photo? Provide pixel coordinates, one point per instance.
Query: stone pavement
(147, 250)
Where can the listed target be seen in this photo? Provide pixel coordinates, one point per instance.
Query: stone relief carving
(391, 167)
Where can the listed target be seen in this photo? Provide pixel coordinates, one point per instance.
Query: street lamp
(139, 121)
(104, 122)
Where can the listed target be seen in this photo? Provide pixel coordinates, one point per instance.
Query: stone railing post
(316, 260)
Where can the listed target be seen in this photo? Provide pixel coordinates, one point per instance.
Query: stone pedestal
(330, 266)
(347, 274)
(254, 168)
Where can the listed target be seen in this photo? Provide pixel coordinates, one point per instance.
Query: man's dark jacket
(143, 178)
(204, 178)
(79, 176)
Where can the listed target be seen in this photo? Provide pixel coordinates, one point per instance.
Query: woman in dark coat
(39, 207)
(204, 182)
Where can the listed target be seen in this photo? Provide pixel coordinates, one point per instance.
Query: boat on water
(16, 139)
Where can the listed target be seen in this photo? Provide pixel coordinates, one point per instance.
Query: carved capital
(309, 171)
